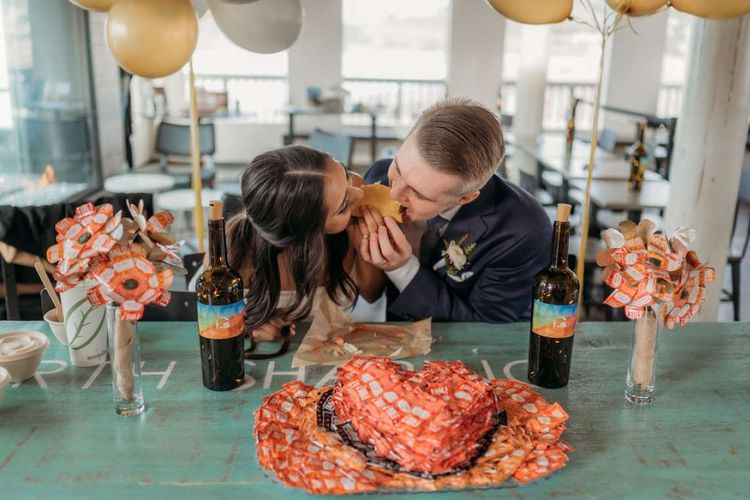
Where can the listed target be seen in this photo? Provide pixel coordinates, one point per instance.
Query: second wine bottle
(221, 318)
(554, 312)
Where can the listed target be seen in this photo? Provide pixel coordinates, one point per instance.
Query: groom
(472, 242)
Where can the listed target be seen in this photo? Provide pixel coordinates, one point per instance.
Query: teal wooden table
(59, 436)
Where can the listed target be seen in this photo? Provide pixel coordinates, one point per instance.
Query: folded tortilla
(377, 197)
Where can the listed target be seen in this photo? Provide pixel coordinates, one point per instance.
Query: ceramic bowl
(21, 353)
(4, 381)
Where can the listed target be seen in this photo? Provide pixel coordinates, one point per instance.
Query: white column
(710, 143)
(530, 87)
(532, 81)
(108, 99)
(632, 76)
(475, 67)
(315, 58)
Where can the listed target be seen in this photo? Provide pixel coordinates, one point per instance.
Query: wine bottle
(221, 317)
(553, 314)
(638, 160)
(570, 128)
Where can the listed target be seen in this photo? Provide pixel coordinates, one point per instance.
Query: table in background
(139, 183)
(373, 134)
(616, 195)
(549, 149)
(60, 436)
(182, 201)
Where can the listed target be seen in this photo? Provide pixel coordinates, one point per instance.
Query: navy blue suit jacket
(513, 236)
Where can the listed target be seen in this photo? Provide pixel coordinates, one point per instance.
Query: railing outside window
(557, 99)
(400, 102)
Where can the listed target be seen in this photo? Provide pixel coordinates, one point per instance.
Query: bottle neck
(560, 235)
(217, 244)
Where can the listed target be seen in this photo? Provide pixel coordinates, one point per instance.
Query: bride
(294, 241)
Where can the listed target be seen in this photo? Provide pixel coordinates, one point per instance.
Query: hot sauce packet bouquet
(129, 261)
(645, 269)
(334, 338)
(382, 428)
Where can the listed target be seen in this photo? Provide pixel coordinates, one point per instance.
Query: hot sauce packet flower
(645, 268)
(98, 246)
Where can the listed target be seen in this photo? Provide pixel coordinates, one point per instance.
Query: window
(238, 79)
(572, 66)
(674, 66)
(47, 129)
(395, 55)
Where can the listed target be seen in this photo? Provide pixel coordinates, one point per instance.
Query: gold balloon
(713, 9)
(96, 5)
(636, 7)
(152, 38)
(533, 11)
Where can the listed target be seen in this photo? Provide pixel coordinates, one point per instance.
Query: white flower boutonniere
(456, 254)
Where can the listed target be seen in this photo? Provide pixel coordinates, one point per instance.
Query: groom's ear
(468, 198)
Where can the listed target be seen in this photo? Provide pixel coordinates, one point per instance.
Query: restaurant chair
(738, 244)
(18, 288)
(192, 262)
(607, 140)
(182, 306)
(340, 146)
(173, 140)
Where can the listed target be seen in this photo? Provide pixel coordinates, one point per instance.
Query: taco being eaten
(377, 197)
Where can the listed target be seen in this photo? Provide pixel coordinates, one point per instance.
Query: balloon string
(586, 216)
(195, 156)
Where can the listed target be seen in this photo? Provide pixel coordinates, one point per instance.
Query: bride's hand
(357, 229)
(271, 331)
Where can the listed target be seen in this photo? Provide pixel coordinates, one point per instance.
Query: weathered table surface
(59, 436)
(616, 195)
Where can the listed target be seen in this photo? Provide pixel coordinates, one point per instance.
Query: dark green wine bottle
(554, 312)
(221, 316)
(638, 160)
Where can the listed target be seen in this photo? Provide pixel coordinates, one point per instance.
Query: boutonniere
(456, 254)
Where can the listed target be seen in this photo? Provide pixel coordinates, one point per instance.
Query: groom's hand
(383, 243)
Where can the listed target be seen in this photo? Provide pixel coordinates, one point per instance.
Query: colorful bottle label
(221, 322)
(554, 321)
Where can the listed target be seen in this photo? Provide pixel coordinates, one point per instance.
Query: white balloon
(262, 26)
(200, 6)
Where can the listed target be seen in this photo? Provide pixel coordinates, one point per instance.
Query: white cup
(56, 326)
(85, 327)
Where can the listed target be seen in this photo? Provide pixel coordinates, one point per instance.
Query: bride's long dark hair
(285, 212)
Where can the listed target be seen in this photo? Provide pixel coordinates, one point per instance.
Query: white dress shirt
(402, 276)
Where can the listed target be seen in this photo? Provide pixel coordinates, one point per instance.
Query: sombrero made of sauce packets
(383, 428)
(645, 268)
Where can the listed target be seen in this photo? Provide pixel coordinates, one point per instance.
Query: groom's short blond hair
(463, 138)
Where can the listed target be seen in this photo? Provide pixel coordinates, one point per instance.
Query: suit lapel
(470, 220)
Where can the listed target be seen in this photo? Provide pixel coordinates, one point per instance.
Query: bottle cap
(216, 209)
(563, 212)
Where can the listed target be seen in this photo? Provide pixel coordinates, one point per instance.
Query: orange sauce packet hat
(478, 433)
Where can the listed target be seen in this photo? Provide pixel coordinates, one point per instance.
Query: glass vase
(641, 379)
(125, 358)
